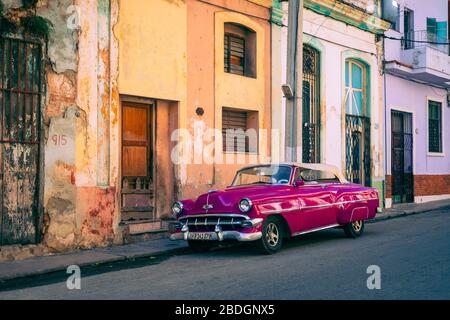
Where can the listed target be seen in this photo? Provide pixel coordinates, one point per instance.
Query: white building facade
(343, 106)
(417, 113)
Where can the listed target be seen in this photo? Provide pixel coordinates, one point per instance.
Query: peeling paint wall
(80, 116)
(80, 202)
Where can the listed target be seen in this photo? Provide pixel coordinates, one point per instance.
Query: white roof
(312, 166)
(322, 167)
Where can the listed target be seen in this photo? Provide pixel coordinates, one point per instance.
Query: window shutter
(234, 54)
(236, 139)
(431, 29)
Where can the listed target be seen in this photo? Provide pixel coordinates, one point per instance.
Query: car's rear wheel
(200, 246)
(354, 229)
(272, 236)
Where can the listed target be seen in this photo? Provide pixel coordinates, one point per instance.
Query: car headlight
(245, 205)
(177, 208)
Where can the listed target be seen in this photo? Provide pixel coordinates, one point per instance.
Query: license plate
(201, 236)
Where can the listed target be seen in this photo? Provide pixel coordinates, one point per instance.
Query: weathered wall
(184, 64)
(153, 64)
(210, 88)
(80, 120)
(152, 37)
(326, 35)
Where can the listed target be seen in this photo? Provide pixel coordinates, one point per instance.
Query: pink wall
(411, 97)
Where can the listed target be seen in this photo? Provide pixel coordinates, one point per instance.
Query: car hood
(227, 201)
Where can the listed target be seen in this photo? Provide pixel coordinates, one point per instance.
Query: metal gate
(402, 157)
(20, 119)
(357, 136)
(311, 105)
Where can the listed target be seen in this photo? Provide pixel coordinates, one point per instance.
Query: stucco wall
(79, 119)
(184, 64)
(337, 42)
(415, 102)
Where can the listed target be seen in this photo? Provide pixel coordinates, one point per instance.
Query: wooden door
(137, 161)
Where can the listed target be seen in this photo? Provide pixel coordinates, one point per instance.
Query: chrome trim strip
(314, 230)
(215, 215)
(314, 207)
(280, 211)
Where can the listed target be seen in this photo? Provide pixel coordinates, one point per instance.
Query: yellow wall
(152, 44)
(235, 91)
(173, 50)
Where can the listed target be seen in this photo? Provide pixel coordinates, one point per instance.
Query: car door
(317, 201)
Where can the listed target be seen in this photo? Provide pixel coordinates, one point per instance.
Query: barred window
(434, 126)
(234, 54)
(20, 90)
(239, 50)
(237, 132)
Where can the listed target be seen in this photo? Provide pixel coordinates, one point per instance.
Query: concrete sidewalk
(42, 265)
(47, 264)
(401, 210)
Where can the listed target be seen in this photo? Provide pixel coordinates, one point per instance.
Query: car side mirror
(299, 183)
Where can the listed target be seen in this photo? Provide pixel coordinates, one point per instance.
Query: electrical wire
(415, 41)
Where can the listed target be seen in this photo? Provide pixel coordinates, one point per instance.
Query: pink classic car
(267, 203)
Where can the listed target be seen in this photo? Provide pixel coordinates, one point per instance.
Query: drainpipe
(385, 124)
(294, 72)
(299, 90)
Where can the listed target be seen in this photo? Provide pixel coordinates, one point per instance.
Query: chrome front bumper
(221, 236)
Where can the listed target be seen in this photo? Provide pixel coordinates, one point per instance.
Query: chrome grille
(208, 222)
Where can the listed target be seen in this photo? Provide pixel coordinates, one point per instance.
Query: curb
(114, 259)
(404, 213)
(58, 269)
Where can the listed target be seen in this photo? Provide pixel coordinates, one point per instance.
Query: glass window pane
(347, 75)
(347, 101)
(358, 102)
(357, 77)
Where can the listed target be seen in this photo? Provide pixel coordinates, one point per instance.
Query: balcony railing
(423, 38)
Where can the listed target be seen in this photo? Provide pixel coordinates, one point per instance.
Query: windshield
(263, 175)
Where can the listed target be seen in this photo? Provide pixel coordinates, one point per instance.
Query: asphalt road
(413, 254)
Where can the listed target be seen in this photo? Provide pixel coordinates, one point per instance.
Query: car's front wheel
(272, 236)
(354, 229)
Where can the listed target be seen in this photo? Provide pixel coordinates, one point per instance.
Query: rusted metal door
(137, 161)
(20, 118)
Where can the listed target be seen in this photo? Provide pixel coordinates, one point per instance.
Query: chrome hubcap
(272, 234)
(357, 226)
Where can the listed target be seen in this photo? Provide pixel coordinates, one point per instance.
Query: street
(413, 254)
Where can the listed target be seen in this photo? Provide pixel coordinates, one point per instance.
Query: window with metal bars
(235, 131)
(311, 105)
(234, 54)
(239, 50)
(20, 90)
(434, 127)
